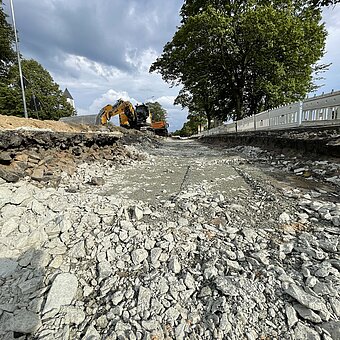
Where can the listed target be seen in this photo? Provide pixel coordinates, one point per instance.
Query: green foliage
(43, 96)
(236, 58)
(7, 54)
(157, 111)
(191, 126)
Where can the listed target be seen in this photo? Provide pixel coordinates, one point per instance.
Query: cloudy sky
(102, 50)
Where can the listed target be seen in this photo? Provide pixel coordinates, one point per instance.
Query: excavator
(125, 110)
(139, 118)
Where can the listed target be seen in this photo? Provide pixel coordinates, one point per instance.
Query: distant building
(69, 98)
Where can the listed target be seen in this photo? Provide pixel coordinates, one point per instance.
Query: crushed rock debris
(258, 262)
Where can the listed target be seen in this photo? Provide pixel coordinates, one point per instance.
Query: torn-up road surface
(182, 241)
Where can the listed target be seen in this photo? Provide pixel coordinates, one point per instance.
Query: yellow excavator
(138, 118)
(125, 110)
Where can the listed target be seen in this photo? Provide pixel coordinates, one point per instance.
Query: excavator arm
(124, 109)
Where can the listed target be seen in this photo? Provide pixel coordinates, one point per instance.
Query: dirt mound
(16, 123)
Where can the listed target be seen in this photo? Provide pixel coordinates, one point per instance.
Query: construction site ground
(122, 235)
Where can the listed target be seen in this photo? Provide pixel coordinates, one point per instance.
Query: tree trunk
(208, 119)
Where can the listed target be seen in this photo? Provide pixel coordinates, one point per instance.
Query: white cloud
(332, 81)
(141, 60)
(110, 97)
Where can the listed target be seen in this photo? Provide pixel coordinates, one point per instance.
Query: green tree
(158, 112)
(190, 127)
(44, 98)
(236, 58)
(7, 54)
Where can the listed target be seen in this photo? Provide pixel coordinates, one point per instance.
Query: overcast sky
(102, 50)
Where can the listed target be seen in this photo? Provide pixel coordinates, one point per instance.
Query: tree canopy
(236, 58)
(7, 53)
(44, 98)
(157, 110)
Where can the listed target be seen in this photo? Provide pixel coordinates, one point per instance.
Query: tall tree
(42, 93)
(7, 54)
(235, 58)
(157, 110)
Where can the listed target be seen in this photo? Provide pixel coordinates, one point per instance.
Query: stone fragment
(5, 196)
(62, 292)
(78, 250)
(74, 315)
(9, 175)
(284, 218)
(335, 303)
(144, 296)
(172, 314)
(9, 226)
(189, 281)
(205, 291)
(139, 255)
(292, 319)
(7, 267)
(303, 332)
(123, 236)
(233, 265)
(104, 269)
(155, 254)
(174, 264)
(262, 256)
(162, 286)
(307, 313)
(91, 334)
(304, 298)
(336, 221)
(249, 234)
(23, 321)
(56, 247)
(226, 286)
(38, 174)
(138, 213)
(5, 158)
(102, 322)
(30, 286)
(333, 328)
(210, 272)
(56, 262)
(117, 297)
(151, 325)
(287, 247)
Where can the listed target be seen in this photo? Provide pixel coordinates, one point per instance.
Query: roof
(67, 94)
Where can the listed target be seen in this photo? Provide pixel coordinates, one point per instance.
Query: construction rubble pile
(79, 264)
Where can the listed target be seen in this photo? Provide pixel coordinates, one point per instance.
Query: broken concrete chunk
(23, 321)
(304, 298)
(62, 292)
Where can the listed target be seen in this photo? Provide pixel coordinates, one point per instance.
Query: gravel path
(187, 243)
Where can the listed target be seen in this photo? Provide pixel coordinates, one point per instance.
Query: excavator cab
(143, 117)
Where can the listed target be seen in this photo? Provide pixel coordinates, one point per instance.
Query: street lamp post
(19, 61)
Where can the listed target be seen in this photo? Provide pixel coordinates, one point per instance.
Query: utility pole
(19, 61)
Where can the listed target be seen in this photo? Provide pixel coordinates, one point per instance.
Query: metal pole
(19, 61)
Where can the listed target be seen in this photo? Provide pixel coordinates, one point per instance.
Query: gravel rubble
(259, 263)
